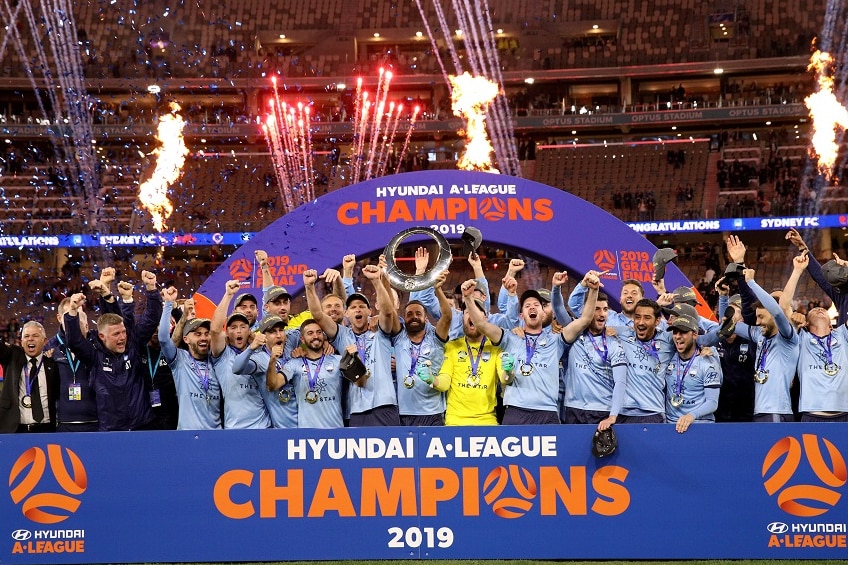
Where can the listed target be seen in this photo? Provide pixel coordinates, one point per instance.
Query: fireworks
(827, 112)
(153, 193)
(470, 99)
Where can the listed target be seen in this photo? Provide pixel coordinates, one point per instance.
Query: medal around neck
(761, 376)
(831, 369)
(311, 397)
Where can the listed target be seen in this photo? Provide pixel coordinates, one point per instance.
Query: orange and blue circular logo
(28, 483)
(524, 487)
(604, 260)
(796, 495)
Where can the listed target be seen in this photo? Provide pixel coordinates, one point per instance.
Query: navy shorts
(646, 419)
(578, 416)
(380, 416)
(515, 416)
(430, 420)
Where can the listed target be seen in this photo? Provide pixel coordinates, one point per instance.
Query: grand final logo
(27, 483)
(781, 478)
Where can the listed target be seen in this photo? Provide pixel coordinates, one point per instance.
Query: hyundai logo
(21, 535)
(777, 528)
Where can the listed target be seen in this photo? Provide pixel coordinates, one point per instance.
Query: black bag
(604, 442)
(352, 367)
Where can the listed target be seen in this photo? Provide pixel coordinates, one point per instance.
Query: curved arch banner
(722, 491)
(512, 213)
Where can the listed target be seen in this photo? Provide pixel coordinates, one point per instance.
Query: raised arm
(166, 343)
(348, 263)
(76, 341)
(480, 277)
(799, 265)
(444, 323)
(267, 278)
(388, 316)
(573, 330)
(243, 364)
(491, 331)
(217, 331)
(146, 326)
(274, 376)
(330, 328)
(557, 302)
(187, 309)
(784, 326)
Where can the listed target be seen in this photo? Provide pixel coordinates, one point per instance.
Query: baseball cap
(686, 319)
(734, 271)
(685, 295)
(269, 323)
(480, 304)
(662, 258)
(604, 442)
(834, 273)
(195, 323)
(531, 293)
(244, 296)
(357, 296)
(544, 294)
(275, 293)
(235, 316)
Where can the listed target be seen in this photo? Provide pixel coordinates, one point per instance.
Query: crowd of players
(541, 358)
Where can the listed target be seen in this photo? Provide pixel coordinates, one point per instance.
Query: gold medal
(473, 379)
(676, 400)
(831, 369)
(311, 397)
(284, 395)
(526, 369)
(408, 381)
(761, 376)
(26, 401)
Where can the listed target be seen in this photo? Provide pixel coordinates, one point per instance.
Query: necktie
(37, 409)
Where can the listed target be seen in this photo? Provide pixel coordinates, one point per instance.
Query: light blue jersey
(415, 397)
(536, 383)
(244, 406)
(589, 380)
(375, 350)
(645, 384)
(777, 358)
(198, 391)
(318, 388)
(823, 370)
(688, 383)
(281, 403)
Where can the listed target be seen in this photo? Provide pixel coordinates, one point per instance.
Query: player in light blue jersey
(428, 298)
(198, 390)
(631, 292)
(419, 353)
(244, 406)
(316, 379)
(778, 347)
(647, 351)
(692, 380)
(253, 363)
(532, 376)
(822, 360)
(596, 377)
(372, 401)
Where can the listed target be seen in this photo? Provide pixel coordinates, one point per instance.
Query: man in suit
(28, 399)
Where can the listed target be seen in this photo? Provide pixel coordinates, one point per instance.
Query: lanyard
(761, 363)
(153, 367)
(475, 361)
(602, 351)
(415, 351)
(28, 378)
(529, 349)
(362, 346)
(678, 384)
(74, 363)
(312, 377)
(650, 348)
(827, 348)
(204, 377)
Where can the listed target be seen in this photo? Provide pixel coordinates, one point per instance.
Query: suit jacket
(13, 358)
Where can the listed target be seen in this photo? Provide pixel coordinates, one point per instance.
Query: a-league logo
(509, 506)
(26, 478)
(804, 500)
